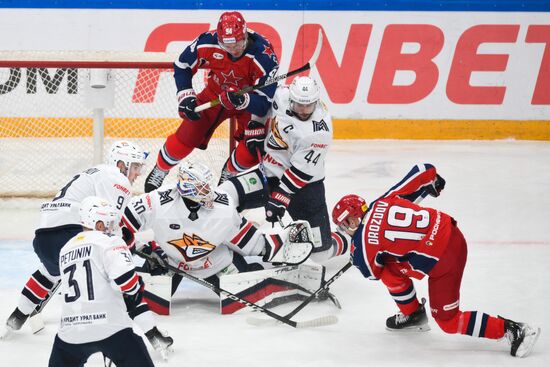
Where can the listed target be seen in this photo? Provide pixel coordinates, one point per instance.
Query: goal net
(61, 111)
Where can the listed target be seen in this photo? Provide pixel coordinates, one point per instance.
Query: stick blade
(316, 322)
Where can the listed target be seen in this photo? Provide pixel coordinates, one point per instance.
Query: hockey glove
(158, 265)
(254, 137)
(276, 206)
(230, 100)
(132, 301)
(128, 237)
(436, 187)
(187, 103)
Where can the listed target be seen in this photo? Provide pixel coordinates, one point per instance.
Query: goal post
(60, 111)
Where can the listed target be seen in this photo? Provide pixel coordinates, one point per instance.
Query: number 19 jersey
(396, 230)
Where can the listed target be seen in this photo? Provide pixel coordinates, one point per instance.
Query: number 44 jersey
(296, 149)
(95, 270)
(396, 230)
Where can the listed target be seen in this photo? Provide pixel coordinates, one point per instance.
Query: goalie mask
(94, 209)
(348, 212)
(232, 33)
(131, 155)
(195, 182)
(303, 94)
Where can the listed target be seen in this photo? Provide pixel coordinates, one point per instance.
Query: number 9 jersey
(396, 230)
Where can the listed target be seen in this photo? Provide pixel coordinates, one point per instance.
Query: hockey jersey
(197, 240)
(295, 149)
(256, 65)
(95, 270)
(103, 180)
(396, 230)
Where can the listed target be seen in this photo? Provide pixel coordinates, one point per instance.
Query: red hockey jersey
(396, 230)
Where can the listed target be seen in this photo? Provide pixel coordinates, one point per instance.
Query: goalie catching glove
(292, 246)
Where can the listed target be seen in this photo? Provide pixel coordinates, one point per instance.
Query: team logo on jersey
(174, 226)
(217, 56)
(275, 140)
(164, 197)
(221, 198)
(269, 52)
(192, 247)
(230, 79)
(320, 126)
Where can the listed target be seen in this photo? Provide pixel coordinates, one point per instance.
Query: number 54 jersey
(396, 230)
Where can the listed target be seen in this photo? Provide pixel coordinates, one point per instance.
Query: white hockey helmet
(303, 94)
(94, 209)
(127, 152)
(196, 182)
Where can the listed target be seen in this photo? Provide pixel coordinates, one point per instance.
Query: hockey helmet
(128, 153)
(94, 209)
(196, 183)
(303, 94)
(232, 33)
(347, 210)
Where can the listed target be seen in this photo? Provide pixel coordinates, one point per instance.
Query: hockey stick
(273, 80)
(35, 318)
(324, 287)
(320, 321)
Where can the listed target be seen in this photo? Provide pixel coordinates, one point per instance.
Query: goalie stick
(273, 80)
(259, 322)
(320, 321)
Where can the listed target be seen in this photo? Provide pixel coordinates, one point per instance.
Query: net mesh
(47, 118)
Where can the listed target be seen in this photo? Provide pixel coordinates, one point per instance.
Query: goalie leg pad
(158, 292)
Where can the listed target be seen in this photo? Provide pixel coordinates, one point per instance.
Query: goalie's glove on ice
(187, 100)
(231, 100)
(158, 265)
(276, 206)
(254, 137)
(436, 187)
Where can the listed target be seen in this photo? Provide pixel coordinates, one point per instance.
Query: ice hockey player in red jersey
(394, 240)
(236, 57)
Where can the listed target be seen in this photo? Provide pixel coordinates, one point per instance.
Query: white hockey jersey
(95, 270)
(295, 149)
(198, 242)
(103, 180)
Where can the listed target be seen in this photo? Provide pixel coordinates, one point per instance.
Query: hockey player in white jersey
(60, 221)
(298, 139)
(200, 229)
(99, 287)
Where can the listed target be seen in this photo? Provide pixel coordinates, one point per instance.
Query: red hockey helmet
(231, 27)
(348, 207)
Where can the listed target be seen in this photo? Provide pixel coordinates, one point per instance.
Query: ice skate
(522, 337)
(417, 321)
(15, 322)
(160, 341)
(154, 179)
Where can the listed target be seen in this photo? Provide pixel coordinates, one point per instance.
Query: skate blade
(7, 332)
(164, 353)
(412, 329)
(529, 342)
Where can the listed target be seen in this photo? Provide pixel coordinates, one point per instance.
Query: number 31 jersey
(95, 270)
(396, 230)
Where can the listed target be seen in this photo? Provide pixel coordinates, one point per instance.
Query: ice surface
(497, 191)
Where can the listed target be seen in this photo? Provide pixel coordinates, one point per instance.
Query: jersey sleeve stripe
(244, 235)
(127, 281)
(130, 221)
